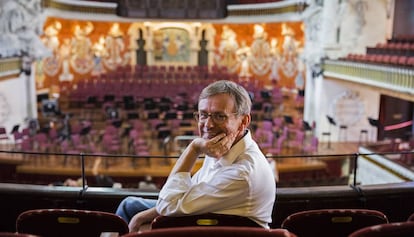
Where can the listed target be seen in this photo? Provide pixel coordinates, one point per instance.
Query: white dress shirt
(240, 183)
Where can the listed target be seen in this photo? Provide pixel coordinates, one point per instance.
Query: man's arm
(142, 219)
(216, 147)
(179, 184)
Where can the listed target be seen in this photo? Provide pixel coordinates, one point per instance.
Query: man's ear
(245, 122)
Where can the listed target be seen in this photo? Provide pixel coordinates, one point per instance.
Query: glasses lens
(196, 116)
(216, 117)
(219, 118)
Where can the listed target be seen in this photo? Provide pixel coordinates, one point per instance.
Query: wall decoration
(348, 108)
(289, 55)
(171, 45)
(263, 52)
(114, 48)
(275, 60)
(260, 60)
(65, 51)
(99, 51)
(243, 56)
(52, 63)
(20, 24)
(81, 58)
(227, 55)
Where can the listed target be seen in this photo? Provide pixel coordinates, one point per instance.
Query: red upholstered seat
(332, 222)
(69, 222)
(222, 231)
(208, 219)
(398, 229)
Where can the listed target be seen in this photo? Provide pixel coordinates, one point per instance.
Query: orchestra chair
(69, 222)
(208, 219)
(331, 222)
(395, 229)
(3, 135)
(211, 231)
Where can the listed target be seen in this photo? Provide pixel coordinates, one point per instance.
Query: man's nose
(209, 122)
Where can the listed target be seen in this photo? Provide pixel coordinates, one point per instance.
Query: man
(235, 177)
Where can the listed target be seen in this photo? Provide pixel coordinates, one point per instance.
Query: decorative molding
(267, 10)
(81, 6)
(151, 9)
(172, 9)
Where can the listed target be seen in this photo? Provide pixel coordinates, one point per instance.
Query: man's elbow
(170, 210)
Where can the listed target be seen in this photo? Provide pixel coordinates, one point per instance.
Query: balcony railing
(10, 67)
(399, 79)
(129, 170)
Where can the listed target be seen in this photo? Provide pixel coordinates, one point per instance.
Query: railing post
(84, 186)
(356, 155)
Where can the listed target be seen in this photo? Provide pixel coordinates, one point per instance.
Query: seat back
(222, 231)
(397, 229)
(69, 222)
(15, 234)
(331, 222)
(3, 133)
(209, 219)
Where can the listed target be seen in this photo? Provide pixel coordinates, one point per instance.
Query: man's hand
(141, 219)
(216, 146)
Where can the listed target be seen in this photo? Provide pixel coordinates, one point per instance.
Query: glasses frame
(213, 116)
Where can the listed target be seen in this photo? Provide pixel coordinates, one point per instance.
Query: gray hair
(241, 97)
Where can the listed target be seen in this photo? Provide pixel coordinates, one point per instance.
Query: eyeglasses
(216, 117)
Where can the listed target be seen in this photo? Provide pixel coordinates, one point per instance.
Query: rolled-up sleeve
(180, 195)
(176, 185)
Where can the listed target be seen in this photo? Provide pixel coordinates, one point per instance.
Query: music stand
(15, 129)
(374, 123)
(331, 122)
(117, 123)
(288, 119)
(133, 115)
(306, 126)
(171, 115)
(108, 98)
(85, 130)
(129, 103)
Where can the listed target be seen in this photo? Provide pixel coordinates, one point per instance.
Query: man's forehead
(223, 101)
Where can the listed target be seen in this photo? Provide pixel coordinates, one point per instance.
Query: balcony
(10, 67)
(396, 79)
